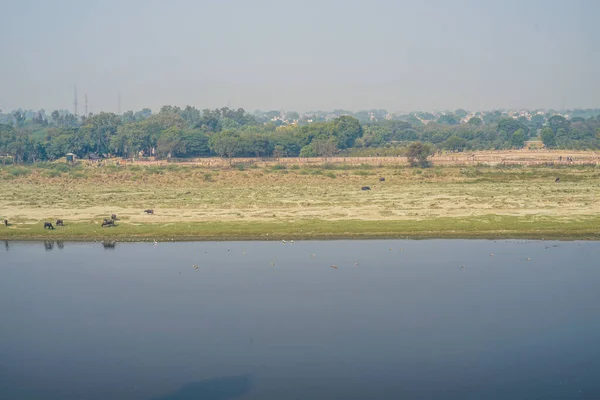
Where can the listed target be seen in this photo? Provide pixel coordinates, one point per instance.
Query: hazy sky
(300, 55)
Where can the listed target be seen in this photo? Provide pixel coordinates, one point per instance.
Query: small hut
(70, 158)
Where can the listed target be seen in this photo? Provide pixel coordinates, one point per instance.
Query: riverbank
(277, 202)
(487, 227)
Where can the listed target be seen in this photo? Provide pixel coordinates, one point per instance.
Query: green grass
(489, 227)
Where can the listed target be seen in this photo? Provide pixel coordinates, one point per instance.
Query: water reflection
(109, 245)
(6, 245)
(49, 244)
(213, 389)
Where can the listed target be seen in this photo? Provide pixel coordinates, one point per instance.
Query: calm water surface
(436, 319)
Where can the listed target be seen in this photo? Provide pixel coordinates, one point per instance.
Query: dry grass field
(250, 201)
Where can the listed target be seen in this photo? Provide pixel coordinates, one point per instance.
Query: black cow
(113, 217)
(48, 225)
(365, 188)
(149, 212)
(59, 222)
(557, 180)
(382, 179)
(5, 222)
(108, 222)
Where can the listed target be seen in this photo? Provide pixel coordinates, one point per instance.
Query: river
(365, 319)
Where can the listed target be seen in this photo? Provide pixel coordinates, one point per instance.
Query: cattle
(382, 179)
(59, 222)
(5, 222)
(108, 222)
(113, 217)
(365, 188)
(557, 180)
(48, 225)
(149, 212)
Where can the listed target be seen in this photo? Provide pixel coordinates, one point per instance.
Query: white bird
(283, 241)
(195, 266)
(291, 241)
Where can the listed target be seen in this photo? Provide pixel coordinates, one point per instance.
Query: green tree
(308, 151)
(518, 139)
(475, 121)
(557, 122)
(346, 130)
(225, 143)
(170, 143)
(454, 143)
(548, 137)
(418, 154)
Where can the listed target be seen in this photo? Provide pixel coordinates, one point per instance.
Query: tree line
(190, 132)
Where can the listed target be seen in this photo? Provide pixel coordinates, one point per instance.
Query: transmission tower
(75, 101)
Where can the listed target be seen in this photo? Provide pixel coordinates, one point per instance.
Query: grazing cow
(149, 212)
(113, 217)
(557, 180)
(365, 188)
(48, 225)
(108, 222)
(382, 179)
(59, 222)
(5, 222)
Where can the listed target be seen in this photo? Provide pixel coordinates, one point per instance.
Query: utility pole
(75, 101)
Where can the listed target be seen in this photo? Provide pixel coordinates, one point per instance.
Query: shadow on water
(224, 388)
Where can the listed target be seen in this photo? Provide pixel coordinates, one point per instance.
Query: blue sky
(397, 55)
